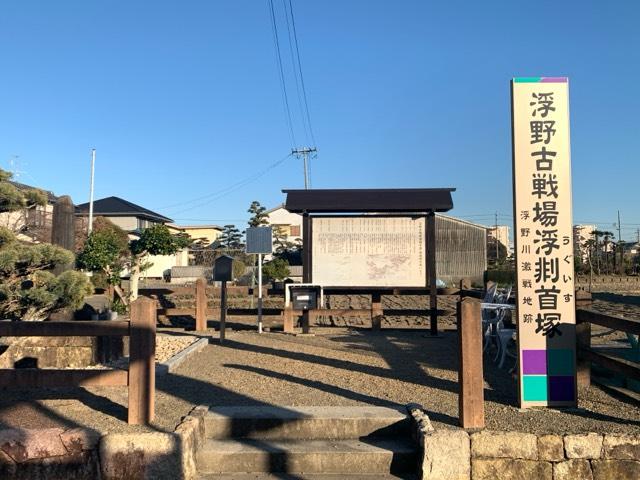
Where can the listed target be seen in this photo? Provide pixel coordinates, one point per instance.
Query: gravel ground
(346, 367)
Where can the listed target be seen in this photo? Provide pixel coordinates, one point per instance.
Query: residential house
(288, 224)
(581, 235)
(133, 219)
(500, 233)
(31, 224)
(203, 234)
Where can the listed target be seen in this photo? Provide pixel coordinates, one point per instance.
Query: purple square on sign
(561, 389)
(534, 362)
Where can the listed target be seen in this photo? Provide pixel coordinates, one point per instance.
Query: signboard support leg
(201, 305)
(223, 310)
(431, 269)
(287, 320)
(259, 293)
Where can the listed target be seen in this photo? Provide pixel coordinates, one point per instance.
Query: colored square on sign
(560, 362)
(534, 388)
(534, 362)
(561, 389)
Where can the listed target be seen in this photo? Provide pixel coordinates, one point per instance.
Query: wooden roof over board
(396, 200)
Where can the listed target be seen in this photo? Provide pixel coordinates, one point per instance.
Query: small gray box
(259, 240)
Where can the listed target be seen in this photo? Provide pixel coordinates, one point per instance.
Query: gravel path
(347, 367)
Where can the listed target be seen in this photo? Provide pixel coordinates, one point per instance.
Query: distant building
(31, 224)
(500, 233)
(133, 219)
(288, 224)
(203, 234)
(581, 235)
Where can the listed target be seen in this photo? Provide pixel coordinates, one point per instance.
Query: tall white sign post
(544, 241)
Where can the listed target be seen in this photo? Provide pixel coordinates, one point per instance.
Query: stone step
(299, 476)
(306, 422)
(367, 456)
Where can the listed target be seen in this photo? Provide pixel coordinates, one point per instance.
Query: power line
(304, 90)
(225, 191)
(283, 84)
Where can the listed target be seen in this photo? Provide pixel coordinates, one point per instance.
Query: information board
(544, 242)
(368, 251)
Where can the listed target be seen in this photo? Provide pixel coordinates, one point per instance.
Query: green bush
(502, 277)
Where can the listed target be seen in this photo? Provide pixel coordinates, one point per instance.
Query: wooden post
(142, 371)
(470, 376)
(583, 340)
(306, 328)
(431, 270)
(223, 310)
(201, 305)
(288, 320)
(376, 311)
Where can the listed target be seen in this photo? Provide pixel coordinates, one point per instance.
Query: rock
(615, 469)
(550, 448)
(143, 456)
(510, 469)
(504, 445)
(577, 468)
(23, 445)
(7, 466)
(446, 456)
(80, 439)
(621, 447)
(587, 445)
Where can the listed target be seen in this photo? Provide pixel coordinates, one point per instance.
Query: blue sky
(182, 99)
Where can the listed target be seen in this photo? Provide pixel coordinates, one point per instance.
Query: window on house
(295, 230)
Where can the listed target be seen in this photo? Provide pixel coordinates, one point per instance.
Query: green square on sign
(560, 362)
(534, 388)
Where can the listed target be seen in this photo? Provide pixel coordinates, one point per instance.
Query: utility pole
(496, 238)
(621, 248)
(93, 166)
(304, 152)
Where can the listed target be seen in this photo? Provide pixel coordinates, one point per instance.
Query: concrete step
(369, 456)
(302, 476)
(306, 422)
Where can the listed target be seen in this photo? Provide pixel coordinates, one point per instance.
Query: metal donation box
(223, 269)
(305, 298)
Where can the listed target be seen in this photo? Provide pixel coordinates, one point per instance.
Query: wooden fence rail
(140, 378)
(587, 355)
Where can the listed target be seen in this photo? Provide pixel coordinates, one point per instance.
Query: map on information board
(368, 251)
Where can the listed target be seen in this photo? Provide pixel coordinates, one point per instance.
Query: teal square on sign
(534, 388)
(560, 362)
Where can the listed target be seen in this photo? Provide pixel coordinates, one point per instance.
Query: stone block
(510, 469)
(550, 448)
(586, 445)
(23, 445)
(489, 444)
(143, 456)
(621, 447)
(615, 469)
(574, 469)
(447, 456)
(80, 439)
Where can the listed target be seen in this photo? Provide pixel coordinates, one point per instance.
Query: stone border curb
(171, 364)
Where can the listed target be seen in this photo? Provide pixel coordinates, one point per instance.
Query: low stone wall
(454, 454)
(609, 283)
(82, 454)
(59, 352)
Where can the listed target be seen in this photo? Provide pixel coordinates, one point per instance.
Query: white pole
(93, 166)
(259, 293)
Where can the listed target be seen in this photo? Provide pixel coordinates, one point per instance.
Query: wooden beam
(142, 372)
(470, 374)
(45, 378)
(201, 305)
(617, 365)
(64, 329)
(610, 321)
